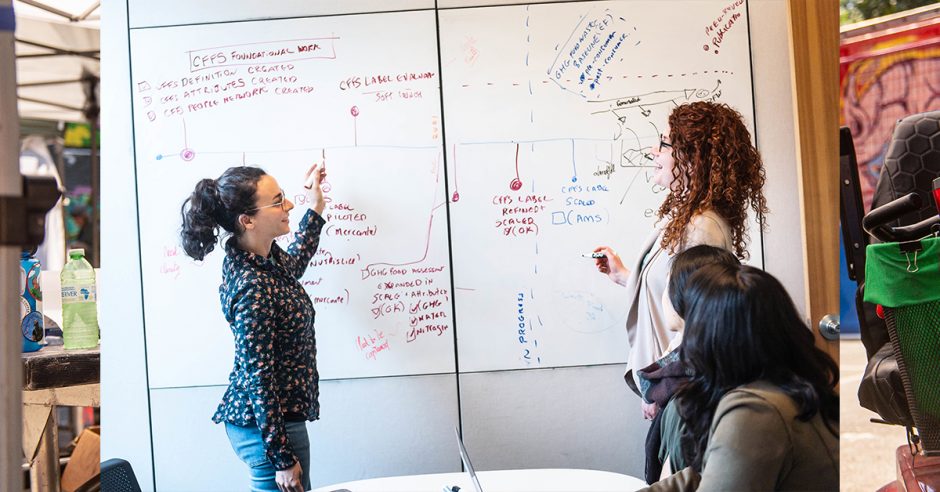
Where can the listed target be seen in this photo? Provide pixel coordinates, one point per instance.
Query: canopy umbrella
(57, 59)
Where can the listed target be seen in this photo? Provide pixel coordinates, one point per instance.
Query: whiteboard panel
(361, 422)
(356, 92)
(551, 111)
(177, 12)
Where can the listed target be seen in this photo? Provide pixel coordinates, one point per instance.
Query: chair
(117, 475)
(907, 286)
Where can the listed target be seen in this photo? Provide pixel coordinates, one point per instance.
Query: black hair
(217, 203)
(742, 327)
(688, 262)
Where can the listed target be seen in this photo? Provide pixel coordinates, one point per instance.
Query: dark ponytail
(217, 204)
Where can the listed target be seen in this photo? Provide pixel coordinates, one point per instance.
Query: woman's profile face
(272, 217)
(663, 161)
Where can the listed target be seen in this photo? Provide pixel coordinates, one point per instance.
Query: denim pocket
(247, 443)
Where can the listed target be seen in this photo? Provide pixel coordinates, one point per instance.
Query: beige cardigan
(757, 443)
(647, 326)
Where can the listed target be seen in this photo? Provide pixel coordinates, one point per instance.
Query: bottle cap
(77, 252)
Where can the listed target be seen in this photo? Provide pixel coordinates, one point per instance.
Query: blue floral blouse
(275, 369)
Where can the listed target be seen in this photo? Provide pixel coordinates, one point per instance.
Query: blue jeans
(247, 443)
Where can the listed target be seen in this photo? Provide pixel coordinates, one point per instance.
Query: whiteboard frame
(125, 394)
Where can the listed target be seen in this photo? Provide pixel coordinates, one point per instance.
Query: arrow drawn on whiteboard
(635, 175)
(355, 114)
(516, 183)
(366, 272)
(456, 195)
(655, 98)
(187, 154)
(637, 155)
(574, 167)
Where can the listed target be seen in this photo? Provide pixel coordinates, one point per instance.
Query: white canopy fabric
(57, 45)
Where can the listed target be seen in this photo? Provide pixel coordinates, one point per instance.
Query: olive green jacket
(757, 443)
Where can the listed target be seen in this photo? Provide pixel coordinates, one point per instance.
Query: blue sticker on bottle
(32, 326)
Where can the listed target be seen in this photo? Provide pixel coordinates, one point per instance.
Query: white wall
(586, 419)
(125, 409)
(776, 139)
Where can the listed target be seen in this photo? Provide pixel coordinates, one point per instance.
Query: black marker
(593, 255)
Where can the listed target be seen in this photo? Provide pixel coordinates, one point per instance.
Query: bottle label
(33, 327)
(73, 295)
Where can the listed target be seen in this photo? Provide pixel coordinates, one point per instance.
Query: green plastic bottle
(79, 302)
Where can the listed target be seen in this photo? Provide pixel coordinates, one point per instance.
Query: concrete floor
(866, 449)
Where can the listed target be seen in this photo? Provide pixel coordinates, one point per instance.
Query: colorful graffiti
(885, 76)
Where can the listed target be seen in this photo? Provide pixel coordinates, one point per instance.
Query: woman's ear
(246, 222)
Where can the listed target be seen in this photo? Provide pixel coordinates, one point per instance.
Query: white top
(647, 323)
(544, 480)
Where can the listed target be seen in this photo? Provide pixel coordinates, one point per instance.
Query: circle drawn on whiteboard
(187, 154)
(592, 307)
(515, 184)
(455, 197)
(354, 111)
(325, 187)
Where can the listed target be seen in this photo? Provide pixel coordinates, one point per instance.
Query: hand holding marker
(313, 180)
(608, 263)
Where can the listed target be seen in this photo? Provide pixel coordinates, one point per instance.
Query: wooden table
(54, 377)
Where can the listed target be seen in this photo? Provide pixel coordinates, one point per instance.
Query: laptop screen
(466, 462)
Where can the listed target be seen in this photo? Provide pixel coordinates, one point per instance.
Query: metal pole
(11, 343)
(44, 474)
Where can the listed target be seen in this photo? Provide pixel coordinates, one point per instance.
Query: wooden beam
(814, 49)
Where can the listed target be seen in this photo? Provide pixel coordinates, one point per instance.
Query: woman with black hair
(274, 385)
(659, 381)
(761, 411)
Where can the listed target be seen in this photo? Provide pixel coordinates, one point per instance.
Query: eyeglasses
(278, 204)
(663, 143)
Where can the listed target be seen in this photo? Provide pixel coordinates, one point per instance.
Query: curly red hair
(716, 168)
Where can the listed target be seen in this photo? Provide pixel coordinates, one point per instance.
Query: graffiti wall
(884, 76)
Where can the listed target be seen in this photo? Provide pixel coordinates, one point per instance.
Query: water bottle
(79, 306)
(30, 304)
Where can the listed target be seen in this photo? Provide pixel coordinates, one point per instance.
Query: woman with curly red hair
(713, 175)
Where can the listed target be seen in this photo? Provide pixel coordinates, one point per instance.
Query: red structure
(889, 68)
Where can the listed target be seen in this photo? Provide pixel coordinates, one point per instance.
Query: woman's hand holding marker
(609, 263)
(315, 176)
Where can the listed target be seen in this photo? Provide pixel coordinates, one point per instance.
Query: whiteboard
(357, 92)
(467, 222)
(550, 113)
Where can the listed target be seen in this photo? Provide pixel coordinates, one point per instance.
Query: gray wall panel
(369, 428)
(577, 417)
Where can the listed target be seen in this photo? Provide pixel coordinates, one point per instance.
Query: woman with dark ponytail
(761, 410)
(274, 385)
